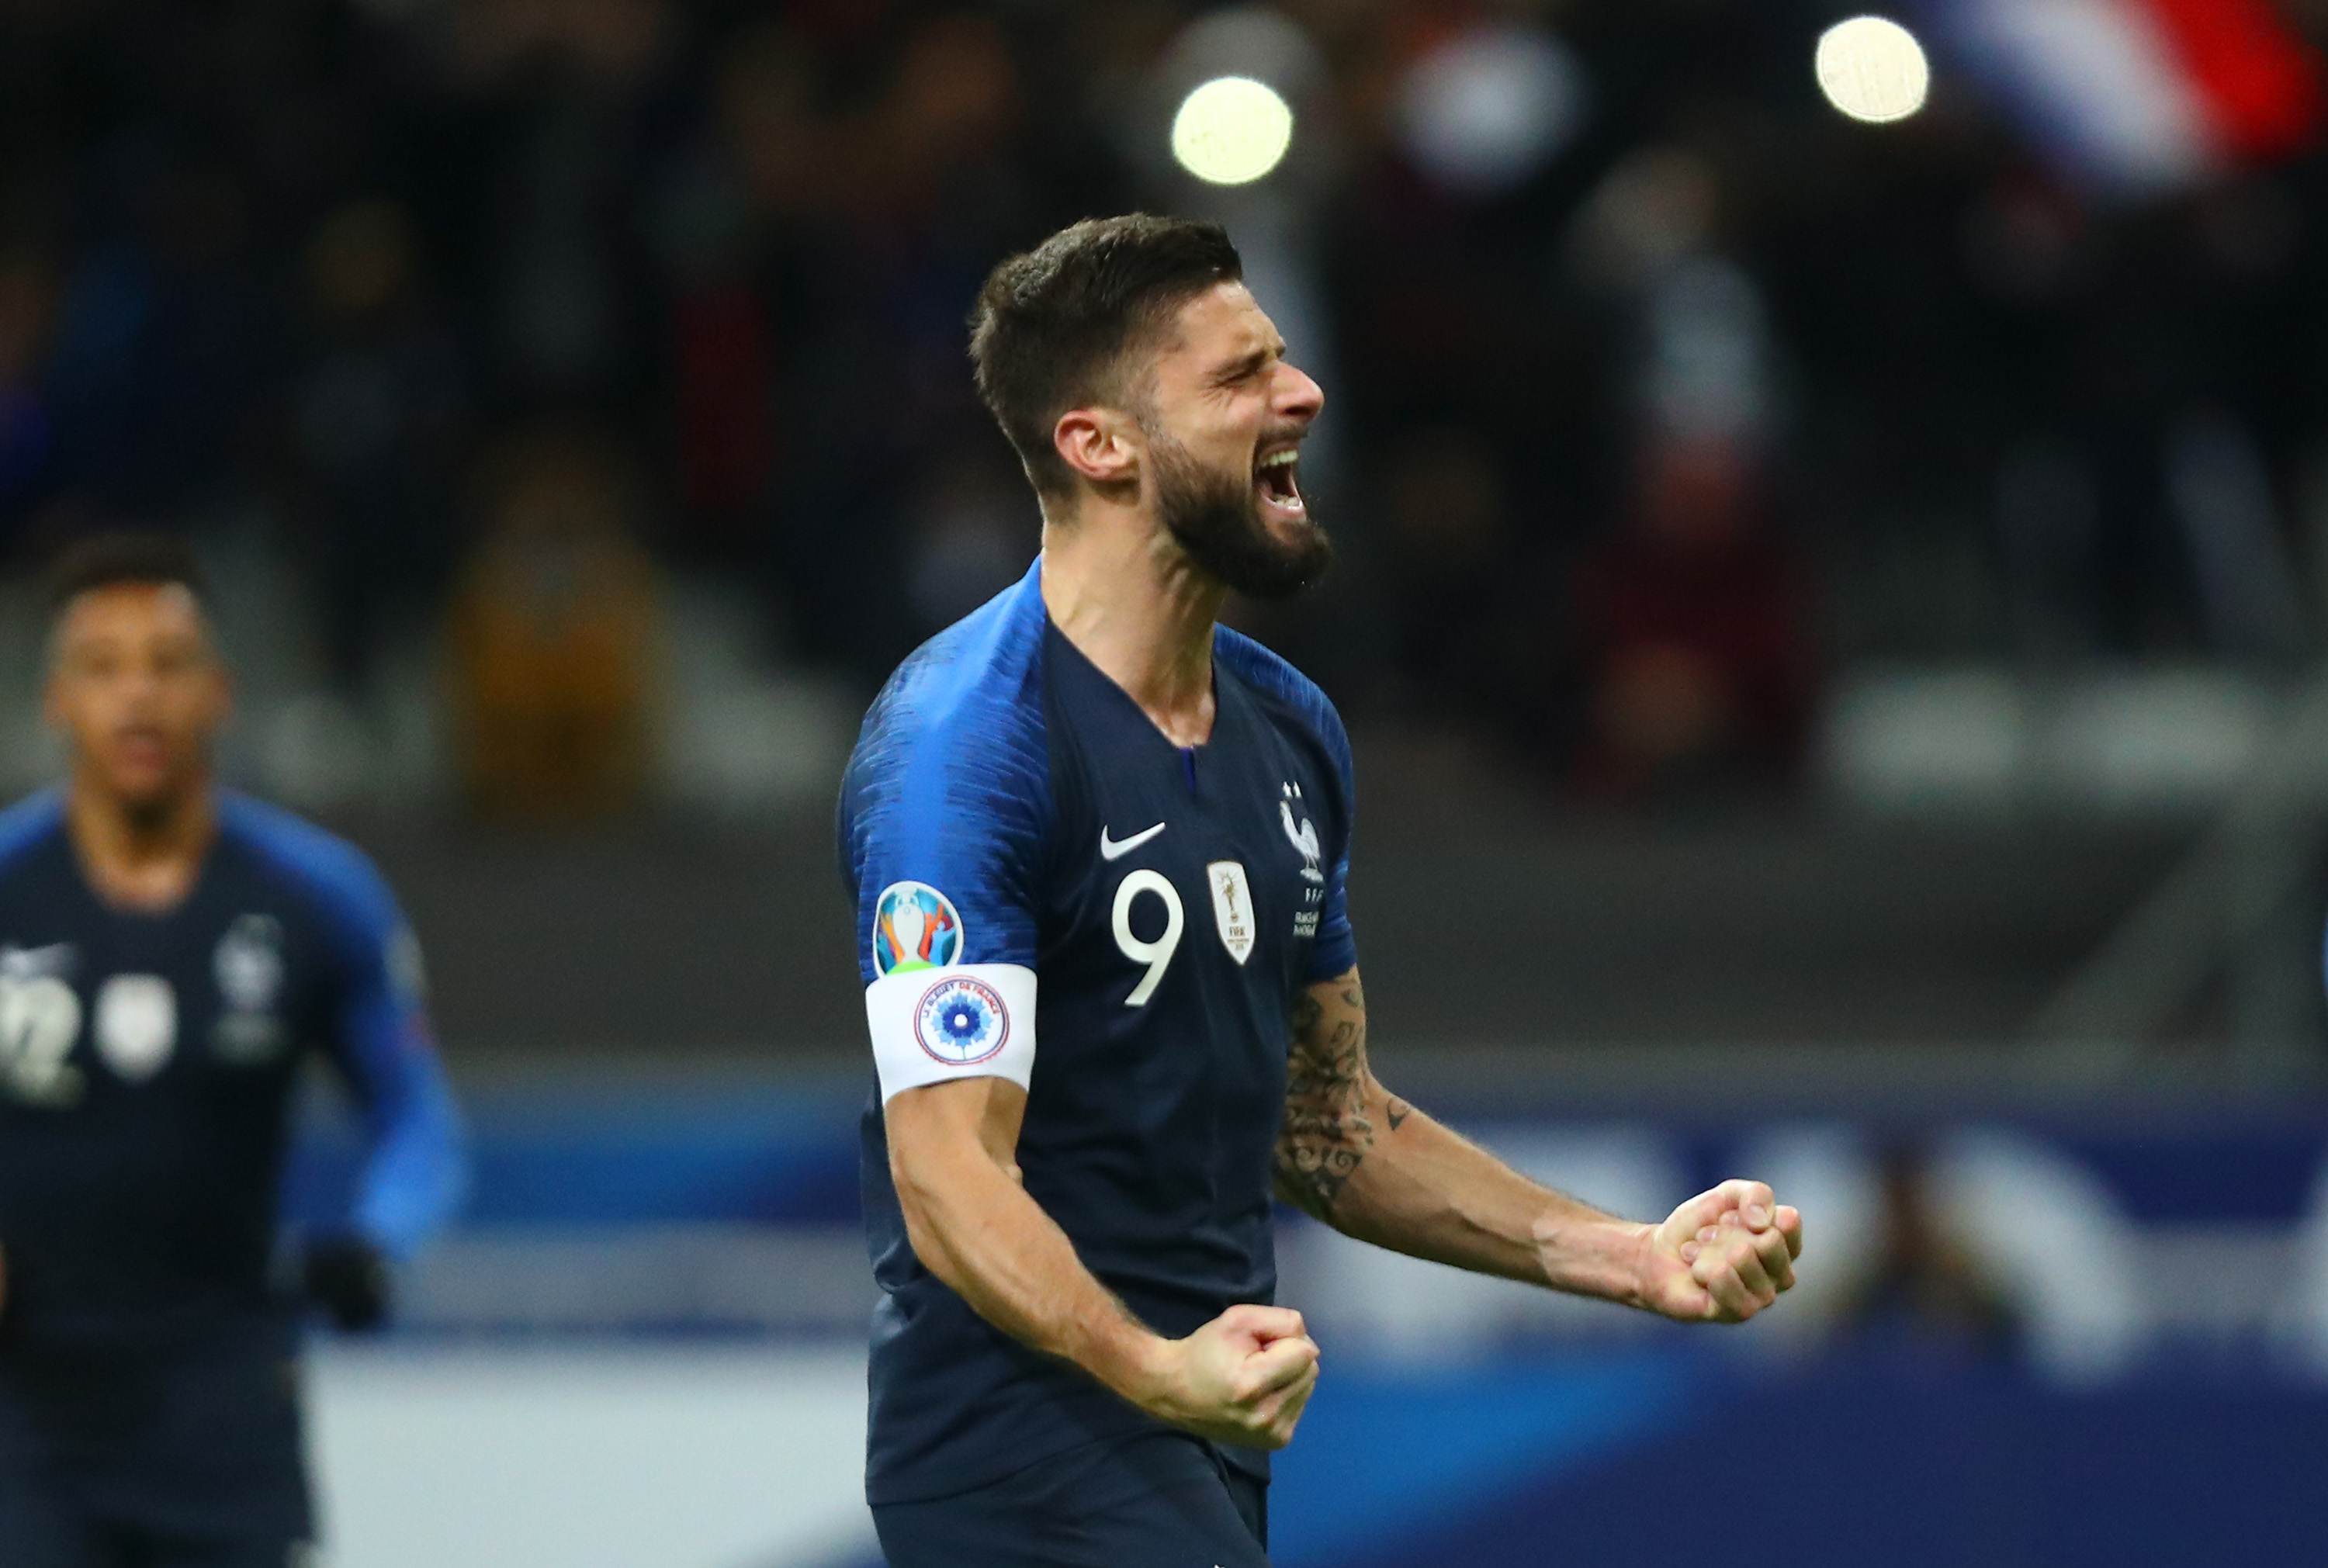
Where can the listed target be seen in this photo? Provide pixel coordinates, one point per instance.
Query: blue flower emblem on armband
(961, 1021)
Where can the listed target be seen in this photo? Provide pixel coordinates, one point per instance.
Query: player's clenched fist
(1242, 1378)
(1723, 1256)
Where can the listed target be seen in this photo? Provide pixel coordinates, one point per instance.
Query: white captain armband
(972, 1020)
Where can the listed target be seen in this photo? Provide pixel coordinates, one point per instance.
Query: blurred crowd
(1655, 388)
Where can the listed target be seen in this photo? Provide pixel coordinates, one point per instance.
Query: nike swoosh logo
(1116, 849)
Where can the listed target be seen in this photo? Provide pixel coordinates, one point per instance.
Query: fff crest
(1303, 836)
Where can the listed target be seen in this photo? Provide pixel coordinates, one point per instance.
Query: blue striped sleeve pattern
(417, 1172)
(950, 788)
(1336, 949)
(29, 821)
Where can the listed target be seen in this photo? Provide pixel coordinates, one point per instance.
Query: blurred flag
(2140, 97)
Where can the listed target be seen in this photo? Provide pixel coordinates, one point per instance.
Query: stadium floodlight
(1872, 69)
(1232, 130)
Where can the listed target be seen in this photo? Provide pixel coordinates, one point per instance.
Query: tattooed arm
(1353, 1155)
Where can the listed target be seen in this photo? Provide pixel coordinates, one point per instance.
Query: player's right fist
(1243, 1378)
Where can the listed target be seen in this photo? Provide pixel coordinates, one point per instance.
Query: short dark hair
(103, 560)
(1052, 326)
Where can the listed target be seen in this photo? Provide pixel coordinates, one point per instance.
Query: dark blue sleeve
(415, 1174)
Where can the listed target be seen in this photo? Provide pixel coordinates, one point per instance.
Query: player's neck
(139, 856)
(1134, 604)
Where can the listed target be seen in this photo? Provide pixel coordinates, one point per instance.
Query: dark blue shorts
(190, 1459)
(1158, 1500)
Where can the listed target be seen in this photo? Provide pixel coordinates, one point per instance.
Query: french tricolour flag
(2140, 97)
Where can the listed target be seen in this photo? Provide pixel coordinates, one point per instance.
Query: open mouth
(141, 745)
(1277, 476)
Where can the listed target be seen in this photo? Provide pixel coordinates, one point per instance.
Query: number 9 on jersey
(1157, 954)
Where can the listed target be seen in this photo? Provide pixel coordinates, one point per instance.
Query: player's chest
(1212, 861)
(96, 1005)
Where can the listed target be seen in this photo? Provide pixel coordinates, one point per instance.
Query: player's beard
(1216, 518)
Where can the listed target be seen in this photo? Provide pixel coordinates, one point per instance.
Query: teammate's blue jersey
(1048, 890)
(147, 1062)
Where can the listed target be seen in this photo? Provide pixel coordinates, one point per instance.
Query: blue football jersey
(1048, 890)
(147, 1063)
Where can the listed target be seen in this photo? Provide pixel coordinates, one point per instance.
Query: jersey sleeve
(943, 815)
(415, 1168)
(417, 1171)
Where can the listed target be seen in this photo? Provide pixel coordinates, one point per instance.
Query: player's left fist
(347, 1276)
(1723, 1256)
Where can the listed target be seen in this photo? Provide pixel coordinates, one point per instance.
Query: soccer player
(169, 957)
(1098, 846)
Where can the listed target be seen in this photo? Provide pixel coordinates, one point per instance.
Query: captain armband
(972, 1020)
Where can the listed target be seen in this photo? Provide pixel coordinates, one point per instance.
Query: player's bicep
(1328, 1034)
(1328, 1124)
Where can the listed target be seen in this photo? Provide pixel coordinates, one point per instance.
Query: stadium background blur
(1831, 614)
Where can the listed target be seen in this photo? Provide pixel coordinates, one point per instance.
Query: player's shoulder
(31, 822)
(1293, 694)
(968, 705)
(985, 667)
(329, 871)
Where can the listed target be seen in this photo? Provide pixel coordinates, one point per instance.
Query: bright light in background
(1232, 130)
(1490, 106)
(1873, 69)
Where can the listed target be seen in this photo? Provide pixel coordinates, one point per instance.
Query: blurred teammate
(1098, 846)
(169, 957)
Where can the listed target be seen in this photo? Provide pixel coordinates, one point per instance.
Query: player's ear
(1096, 445)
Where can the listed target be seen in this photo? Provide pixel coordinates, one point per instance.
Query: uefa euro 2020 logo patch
(961, 1021)
(915, 927)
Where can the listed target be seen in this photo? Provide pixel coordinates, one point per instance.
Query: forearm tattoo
(1329, 1123)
